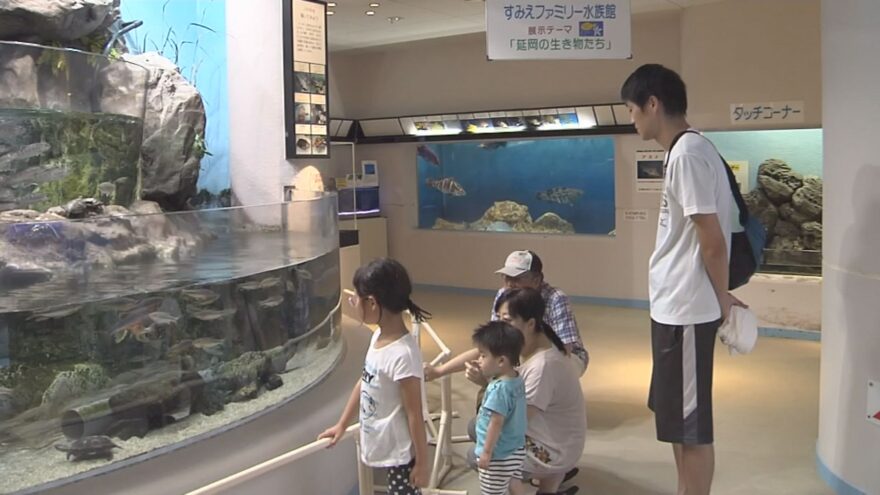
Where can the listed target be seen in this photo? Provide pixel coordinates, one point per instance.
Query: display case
(126, 331)
(545, 186)
(780, 175)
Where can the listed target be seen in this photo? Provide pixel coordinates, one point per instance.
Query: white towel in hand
(739, 331)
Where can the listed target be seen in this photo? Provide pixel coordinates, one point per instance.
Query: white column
(849, 445)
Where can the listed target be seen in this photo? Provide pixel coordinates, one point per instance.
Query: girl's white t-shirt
(385, 438)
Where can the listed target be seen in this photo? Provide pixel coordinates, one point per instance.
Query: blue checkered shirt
(559, 316)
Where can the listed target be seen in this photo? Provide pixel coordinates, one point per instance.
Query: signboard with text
(774, 112)
(306, 108)
(558, 29)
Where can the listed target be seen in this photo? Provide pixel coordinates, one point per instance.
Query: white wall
(848, 445)
(258, 167)
(749, 51)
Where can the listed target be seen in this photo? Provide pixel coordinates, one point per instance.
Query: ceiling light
(330, 12)
(331, 4)
(370, 12)
(394, 19)
(374, 4)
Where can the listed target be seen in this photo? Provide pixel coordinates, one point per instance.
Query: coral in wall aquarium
(780, 174)
(546, 186)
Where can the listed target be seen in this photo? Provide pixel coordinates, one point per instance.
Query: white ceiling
(350, 28)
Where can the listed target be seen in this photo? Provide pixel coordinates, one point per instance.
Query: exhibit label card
(307, 114)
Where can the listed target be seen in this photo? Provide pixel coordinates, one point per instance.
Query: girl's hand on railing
(334, 433)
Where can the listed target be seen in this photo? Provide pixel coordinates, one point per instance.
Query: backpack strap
(731, 179)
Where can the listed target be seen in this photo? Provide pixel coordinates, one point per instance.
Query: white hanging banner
(558, 29)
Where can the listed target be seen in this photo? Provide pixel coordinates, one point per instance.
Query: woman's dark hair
(387, 282)
(500, 339)
(528, 304)
(658, 81)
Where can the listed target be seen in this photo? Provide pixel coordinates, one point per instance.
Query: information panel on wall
(306, 107)
(558, 29)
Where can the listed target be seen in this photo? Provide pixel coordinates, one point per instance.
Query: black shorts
(681, 382)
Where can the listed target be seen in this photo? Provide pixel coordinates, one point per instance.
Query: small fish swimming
(210, 346)
(181, 348)
(38, 175)
(428, 155)
(212, 314)
(268, 283)
(134, 327)
(493, 145)
(560, 195)
(249, 286)
(446, 185)
(106, 191)
(202, 297)
(26, 153)
(163, 318)
(55, 313)
(272, 302)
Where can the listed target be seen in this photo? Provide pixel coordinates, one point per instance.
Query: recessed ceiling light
(394, 19)
(370, 12)
(374, 4)
(330, 12)
(331, 4)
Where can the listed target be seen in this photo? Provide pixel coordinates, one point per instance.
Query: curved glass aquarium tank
(126, 331)
(545, 186)
(780, 175)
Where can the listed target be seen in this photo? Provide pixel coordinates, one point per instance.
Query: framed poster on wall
(306, 102)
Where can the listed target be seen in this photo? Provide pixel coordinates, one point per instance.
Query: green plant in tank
(200, 146)
(93, 149)
(55, 59)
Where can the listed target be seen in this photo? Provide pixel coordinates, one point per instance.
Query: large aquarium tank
(125, 330)
(546, 186)
(780, 175)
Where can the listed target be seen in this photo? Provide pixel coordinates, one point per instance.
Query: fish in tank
(104, 360)
(547, 186)
(49, 157)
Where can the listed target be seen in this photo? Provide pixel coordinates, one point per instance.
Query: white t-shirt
(385, 439)
(553, 387)
(696, 183)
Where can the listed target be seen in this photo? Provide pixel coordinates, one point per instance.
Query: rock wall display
(55, 20)
(85, 106)
(174, 129)
(790, 207)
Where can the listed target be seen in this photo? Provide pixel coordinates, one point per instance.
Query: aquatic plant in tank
(546, 186)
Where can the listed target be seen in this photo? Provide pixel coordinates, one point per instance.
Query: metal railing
(439, 435)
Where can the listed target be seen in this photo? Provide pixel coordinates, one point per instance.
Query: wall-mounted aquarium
(781, 178)
(545, 186)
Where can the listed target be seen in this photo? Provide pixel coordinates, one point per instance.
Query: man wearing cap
(523, 269)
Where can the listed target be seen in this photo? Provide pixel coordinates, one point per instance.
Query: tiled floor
(766, 407)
